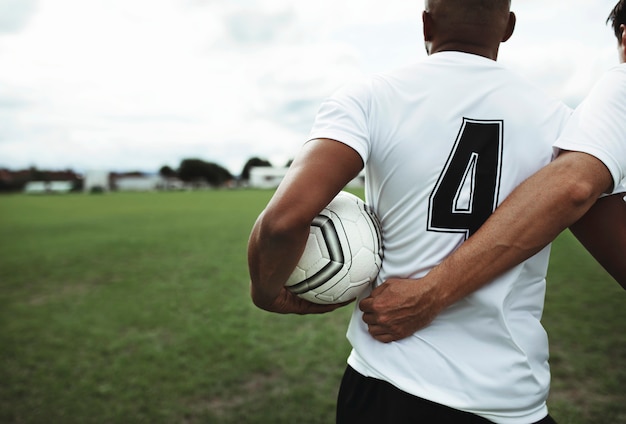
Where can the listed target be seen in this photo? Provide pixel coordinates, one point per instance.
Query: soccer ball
(343, 253)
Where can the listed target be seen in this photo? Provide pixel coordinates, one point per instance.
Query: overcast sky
(138, 84)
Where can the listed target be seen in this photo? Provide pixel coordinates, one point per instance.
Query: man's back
(444, 142)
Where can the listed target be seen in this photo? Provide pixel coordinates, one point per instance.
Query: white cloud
(562, 49)
(15, 14)
(137, 84)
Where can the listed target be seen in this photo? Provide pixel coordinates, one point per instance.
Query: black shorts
(367, 400)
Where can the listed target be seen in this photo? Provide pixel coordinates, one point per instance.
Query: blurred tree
(37, 175)
(197, 170)
(77, 185)
(252, 162)
(167, 172)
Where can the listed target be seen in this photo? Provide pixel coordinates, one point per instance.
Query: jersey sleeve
(344, 117)
(598, 125)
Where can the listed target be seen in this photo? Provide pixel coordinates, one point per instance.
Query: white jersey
(598, 126)
(444, 141)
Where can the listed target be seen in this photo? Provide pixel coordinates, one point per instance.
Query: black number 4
(467, 190)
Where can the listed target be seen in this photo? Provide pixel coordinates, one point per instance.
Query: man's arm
(321, 170)
(602, 231)
(530, 218)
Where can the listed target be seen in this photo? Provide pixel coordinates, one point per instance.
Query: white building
(270, 177)
(266, 176)
(96, 180)
(37, 187)
(104, 181)
(139, 183)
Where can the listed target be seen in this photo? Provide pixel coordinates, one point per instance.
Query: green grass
(134, 308)
(585, 317)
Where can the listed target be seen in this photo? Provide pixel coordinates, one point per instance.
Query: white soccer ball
(343, 253)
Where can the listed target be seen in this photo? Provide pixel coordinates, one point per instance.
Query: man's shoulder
(615, 75)
(610, 87)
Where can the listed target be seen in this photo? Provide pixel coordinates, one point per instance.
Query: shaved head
(474, 26)
(454, 12)
(469, 4)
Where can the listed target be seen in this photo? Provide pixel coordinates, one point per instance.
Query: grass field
(134, 308)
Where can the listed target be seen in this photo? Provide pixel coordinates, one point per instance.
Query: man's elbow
(282, 227)
(582, 193)
(258, 299)
(585, 177)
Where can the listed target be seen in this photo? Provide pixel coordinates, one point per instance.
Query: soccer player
(443, 141)
(592, 161)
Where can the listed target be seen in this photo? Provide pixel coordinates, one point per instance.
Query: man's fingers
(382, 335)
(367, 305)
(369, 318)
(386, 338)
(384, 332)
(377, 329)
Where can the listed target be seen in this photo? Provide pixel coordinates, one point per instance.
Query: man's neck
(476, 49)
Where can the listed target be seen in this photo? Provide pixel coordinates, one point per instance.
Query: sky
(134, 85)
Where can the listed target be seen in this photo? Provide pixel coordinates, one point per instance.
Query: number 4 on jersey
(467, 190)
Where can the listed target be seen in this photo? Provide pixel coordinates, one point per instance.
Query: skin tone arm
(531, 217)
(320, 171)
(602, 231)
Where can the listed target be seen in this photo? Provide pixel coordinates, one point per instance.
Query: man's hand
(400, 307)
(289, 303)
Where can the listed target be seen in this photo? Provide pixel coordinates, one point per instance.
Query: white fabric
(487, 354)
(598, 126)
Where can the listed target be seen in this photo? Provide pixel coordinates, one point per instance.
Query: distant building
(266, 176)
(139, 183)
(171, 183)
(34, 180)
(97, 180)
(40, 187)
(270, 177)
(130, 181)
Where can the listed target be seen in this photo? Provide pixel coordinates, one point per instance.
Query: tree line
(191, 170)
(198, 170)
